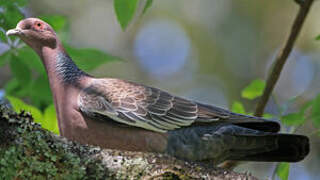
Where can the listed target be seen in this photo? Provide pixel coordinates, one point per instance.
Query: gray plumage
(151, 108)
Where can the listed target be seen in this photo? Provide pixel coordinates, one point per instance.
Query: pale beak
(12, 32)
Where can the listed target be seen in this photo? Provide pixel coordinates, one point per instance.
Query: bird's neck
(62, 72)
(65, 78)
(67, 70)
(60, 66)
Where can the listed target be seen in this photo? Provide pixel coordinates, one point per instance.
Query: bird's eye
(38, 26)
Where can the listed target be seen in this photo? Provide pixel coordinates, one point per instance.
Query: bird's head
(35, 32)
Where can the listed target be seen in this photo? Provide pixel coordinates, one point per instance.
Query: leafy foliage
(254, 89)
(293, 119)
(10, 13)
(125, 10)
(4, 58)
(30, 59)
(46, 119)
(238, 107)
(316, 111)
(20, 70)
(18, 105)
(297, 118)
(147, 6)
(283, 170)
(49, 119)
(89, 59)
(58, 23)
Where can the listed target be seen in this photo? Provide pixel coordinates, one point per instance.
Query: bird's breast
(113, 135)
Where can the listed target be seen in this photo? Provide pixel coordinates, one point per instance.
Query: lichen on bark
(29, 152)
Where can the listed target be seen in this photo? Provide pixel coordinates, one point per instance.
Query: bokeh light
(296, 77)
(162, 47)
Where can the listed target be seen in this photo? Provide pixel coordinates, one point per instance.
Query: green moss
(29, 152)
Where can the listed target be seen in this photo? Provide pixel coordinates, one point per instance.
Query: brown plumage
(118, 114)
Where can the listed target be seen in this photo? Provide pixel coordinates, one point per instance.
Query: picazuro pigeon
(119, 114)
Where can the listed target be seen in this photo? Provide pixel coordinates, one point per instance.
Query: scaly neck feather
(60, 66)
(67, 70)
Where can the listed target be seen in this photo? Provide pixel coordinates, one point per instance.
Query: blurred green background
(206, 50)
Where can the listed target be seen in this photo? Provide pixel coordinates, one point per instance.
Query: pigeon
(119, 114)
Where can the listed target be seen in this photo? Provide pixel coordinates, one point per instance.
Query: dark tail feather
(231, 142)
(290, 148)
(266, 126)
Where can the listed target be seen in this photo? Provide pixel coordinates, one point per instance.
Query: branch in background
(283, 55)
(279, 64)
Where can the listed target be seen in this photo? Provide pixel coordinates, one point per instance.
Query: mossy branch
(29, 152)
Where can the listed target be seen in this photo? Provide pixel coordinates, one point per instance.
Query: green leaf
(18, 105)
(22, 74)
(21, 2)
(318, 38)
(267, 116)
(41, 94)
(147, 6)
(5, 57)
(297, 118)
(237, 107)
(3, 36)
(23, 90)
(125, 10)
(283, 170)
(10, 17)
(254, 89)
(88, 59)
(50, 119)
(306, 106)
(11, 86)
(315, 115)
(31, 59)
(57, 22)
(293, 119)
(6, 3)
(20, 71)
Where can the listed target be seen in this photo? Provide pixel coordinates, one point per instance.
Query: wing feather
(142, 106)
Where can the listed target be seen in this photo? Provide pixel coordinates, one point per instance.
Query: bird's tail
(282, 148)
(232, 142)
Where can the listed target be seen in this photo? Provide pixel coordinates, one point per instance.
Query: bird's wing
(137, 105)
(147, 107)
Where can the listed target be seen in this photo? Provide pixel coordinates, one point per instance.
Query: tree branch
(29, 152)
(283, 55)
(281, 59)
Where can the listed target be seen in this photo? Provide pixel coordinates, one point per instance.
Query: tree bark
(29, 152)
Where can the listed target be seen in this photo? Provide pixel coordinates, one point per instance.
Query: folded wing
(149, 108)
